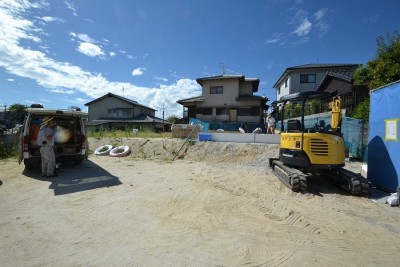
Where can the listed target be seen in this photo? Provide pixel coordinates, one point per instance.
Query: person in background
(243, 128)
(46, 143)
(270, 124)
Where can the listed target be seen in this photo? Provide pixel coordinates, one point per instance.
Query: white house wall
(283, 90)
(295, 86)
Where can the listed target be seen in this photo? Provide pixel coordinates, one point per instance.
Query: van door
(22, 130)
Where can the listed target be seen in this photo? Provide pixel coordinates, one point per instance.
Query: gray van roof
(55, 112)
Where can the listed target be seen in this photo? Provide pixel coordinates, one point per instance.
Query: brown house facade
(341, 83)
(226, 99)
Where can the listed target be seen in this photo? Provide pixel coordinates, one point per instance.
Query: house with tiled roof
(112, 111)
(308, 77)
(226, 99)
(341, 83)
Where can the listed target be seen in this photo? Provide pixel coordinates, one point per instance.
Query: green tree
(173, 119)
(382, 70)
(361, 112)
(16, 113)
(385, 67)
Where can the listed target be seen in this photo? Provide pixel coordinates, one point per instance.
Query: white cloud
(304, 28)
(162, 79)
(10, 80)
(112, 54)
(272, 41)
(276, 38)
(322, 28)
(61, 91)
(320, 14)
(81, 100)
(82, 37)
(138, 71)
(51, 19)
(65, 78)
(90, 50)
(70, 6)
(321, 25)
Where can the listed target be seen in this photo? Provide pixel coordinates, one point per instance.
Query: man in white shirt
(270, 124)
(46, 142)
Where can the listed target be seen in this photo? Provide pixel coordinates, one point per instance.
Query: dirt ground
(216, 205)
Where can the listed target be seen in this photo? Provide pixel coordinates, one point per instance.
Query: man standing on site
(46, 142)
(270, 124)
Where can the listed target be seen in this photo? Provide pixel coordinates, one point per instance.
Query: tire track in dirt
(272, 209)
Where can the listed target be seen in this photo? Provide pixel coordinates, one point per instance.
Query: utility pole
(5, 115)
(163, 125)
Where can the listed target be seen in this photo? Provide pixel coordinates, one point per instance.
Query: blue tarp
(205, 126)
(384, 142)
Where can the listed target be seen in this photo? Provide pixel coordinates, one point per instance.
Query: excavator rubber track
(294, 179)
(351, 182)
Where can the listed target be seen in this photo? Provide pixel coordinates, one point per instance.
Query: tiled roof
(251, 97)
(319, 66)
(314, 67)
(346, 75)
(241, 78)
(138, 119)
(191, 100)
(133, 102)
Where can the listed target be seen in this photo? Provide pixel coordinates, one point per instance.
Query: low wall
(246, 138)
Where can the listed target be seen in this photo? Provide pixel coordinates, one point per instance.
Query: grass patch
(144, 133)
(8, 151)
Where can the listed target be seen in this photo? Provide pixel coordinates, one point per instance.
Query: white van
(70, 138)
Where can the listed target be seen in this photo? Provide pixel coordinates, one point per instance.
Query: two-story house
(307, 77)
(226, 99)
(112, 111)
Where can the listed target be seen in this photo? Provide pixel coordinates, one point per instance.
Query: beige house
(307, 77)
(226, 99)
(112, 111)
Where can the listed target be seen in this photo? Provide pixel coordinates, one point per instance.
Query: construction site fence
(226, 126)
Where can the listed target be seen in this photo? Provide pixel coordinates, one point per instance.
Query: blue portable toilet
(384, 142)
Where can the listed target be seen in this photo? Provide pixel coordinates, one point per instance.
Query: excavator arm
(336, 117)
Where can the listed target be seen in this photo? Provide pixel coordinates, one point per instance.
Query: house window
(222, 111)
(120, 112)
(204, 111)
(308, 78)
(216, 90)
(207, 111)
(253, 111)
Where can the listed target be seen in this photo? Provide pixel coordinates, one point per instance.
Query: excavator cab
(310, 150)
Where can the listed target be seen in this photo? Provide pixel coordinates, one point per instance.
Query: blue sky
(66, 53)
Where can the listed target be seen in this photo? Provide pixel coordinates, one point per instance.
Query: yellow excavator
(318, 150)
